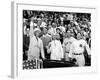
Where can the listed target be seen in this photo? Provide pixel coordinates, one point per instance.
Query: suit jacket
(46, 39)
(25, 42)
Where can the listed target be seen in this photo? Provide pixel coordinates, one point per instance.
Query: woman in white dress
(55, 48)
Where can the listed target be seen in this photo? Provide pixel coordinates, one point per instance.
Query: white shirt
(78, 47)
(56, 50)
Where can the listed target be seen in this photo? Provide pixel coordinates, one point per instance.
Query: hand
(46, 47)
(43, 58)
(70, 59)
(49, 45)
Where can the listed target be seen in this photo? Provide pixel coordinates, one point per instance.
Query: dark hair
(58, 29)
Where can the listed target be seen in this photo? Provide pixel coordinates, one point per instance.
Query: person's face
(49, 22)
(61, 23)
(58, 31)
(54, 37)
(37, 33)
(79, 36)
(45, 31)
(53, 25)
(49, 27)
(68, 34)
(72, 35)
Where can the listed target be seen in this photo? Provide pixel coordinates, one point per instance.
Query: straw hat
(36, 29)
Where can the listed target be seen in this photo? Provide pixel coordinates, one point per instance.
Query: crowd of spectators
(58, 23)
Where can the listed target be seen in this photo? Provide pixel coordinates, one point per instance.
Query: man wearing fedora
(35, 46)
(46, 38)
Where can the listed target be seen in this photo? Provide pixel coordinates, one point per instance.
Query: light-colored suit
(35, 48)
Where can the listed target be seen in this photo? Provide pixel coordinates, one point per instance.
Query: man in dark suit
(46, 38)
(25, 44)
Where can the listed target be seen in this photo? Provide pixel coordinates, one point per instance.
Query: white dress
(56, 50)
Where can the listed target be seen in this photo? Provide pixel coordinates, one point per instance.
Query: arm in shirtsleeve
(31, 33)
(87, 48)
(42, 50)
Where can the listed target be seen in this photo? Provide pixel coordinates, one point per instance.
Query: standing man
(46, 38)
(35, 46)
(66, 44)
(77, 50)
